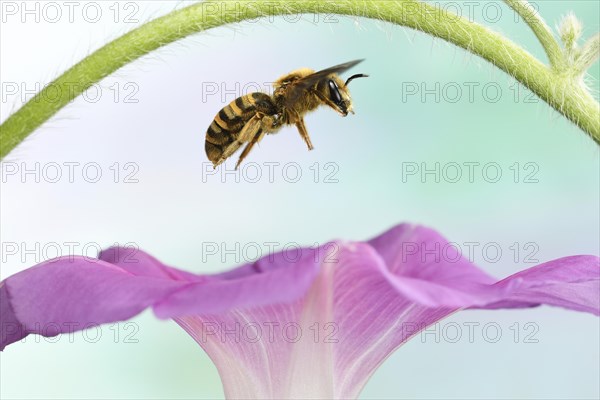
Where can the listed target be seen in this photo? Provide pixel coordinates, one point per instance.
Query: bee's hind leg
(253, 132)
(257, 137)
(302, 129)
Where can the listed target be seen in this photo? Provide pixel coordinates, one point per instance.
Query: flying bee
(250, 117)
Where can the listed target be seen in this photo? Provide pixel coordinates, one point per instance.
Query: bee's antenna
(354, 77)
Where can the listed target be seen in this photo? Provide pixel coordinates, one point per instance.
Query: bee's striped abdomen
(228, 123)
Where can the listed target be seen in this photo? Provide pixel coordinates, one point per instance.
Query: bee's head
(337, 93)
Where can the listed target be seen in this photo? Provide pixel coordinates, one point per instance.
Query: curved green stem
(563, 92)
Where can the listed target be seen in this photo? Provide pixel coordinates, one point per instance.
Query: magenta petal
(425, 267)
(569, 282)
(270, 280)
(364, 306)
(362, 311)
(143, 264)
(415, 251)
(74, 293)
(11, 329)
(295, 349)
(353, 306)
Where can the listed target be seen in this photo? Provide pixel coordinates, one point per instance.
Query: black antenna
(354, 77)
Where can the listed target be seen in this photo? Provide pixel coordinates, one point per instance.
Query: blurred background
(439, 138)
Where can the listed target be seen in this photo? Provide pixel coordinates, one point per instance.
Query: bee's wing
(298, 87)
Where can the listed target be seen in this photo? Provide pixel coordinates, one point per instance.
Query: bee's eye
(334, 92)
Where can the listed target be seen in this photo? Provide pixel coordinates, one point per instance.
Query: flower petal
(140, 263)
(282, 350)
(11, 329)
(74, 293)
(270, 280)
(415, 251)
(364, 306)
(569, 282)
(428, 269)
(347, 309)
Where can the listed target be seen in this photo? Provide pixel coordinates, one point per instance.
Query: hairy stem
(563, 92)
(589, 55)
(541, 30)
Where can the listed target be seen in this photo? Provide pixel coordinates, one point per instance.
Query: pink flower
(314, 327)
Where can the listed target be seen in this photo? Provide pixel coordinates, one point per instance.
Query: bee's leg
(228, 152)
(302, 129)
(324, 99)
(246, 134)
(250, 129)
(257, 137)
(253, 132)
(329, 102)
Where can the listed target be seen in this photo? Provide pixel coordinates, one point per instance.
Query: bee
(249, 118)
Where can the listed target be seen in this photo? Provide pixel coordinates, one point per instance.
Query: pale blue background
(171, 211)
